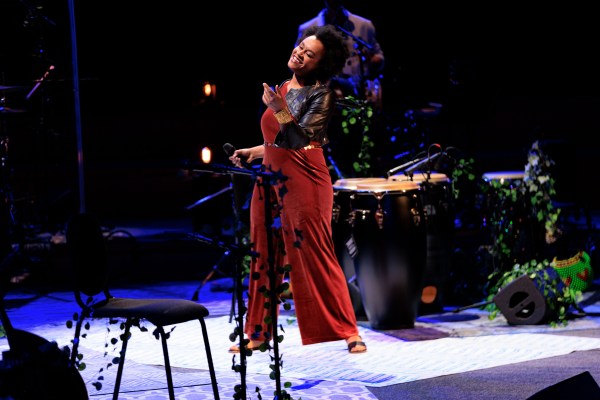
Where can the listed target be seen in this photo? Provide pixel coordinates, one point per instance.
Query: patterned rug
(439, 345)
(310, 369)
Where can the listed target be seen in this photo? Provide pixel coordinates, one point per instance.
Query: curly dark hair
(336, 52)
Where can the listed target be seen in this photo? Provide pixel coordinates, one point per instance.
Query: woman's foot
(252, 345)
(287, 293)
(356, 344)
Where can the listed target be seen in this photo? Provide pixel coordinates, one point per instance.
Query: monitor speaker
(522, 302)
(581, 386)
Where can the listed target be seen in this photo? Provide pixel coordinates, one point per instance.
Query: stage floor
(441, 346)
(448, 354)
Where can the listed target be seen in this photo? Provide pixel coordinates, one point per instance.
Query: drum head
(419, 177)
(352, 183)
(387, 186)
(503, 176)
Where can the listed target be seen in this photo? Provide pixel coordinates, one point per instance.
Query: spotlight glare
(206, 155)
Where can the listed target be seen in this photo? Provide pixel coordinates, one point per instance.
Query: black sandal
(235, 349)
(352, 345)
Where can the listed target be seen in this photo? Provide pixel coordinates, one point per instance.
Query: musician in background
(360, 77)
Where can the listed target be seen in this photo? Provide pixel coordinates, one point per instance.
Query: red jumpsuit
(321, 299)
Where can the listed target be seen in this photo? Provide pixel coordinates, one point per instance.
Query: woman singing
(294, 127)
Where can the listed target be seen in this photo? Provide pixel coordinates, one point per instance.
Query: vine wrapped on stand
(272, 294)
(359, 113)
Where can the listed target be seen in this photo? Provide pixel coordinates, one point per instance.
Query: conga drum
(436, 194)
(341, 226)
(390, 233)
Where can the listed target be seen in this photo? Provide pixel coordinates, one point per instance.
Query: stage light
(206, 155)
(209, 89)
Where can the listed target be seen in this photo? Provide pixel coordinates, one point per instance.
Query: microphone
(422, 161)
(414, 164)
(230, 149)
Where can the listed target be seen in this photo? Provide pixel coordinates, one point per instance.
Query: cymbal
(8, 110)
(11, 88)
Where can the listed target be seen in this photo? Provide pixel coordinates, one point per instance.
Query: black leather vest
(312, 108)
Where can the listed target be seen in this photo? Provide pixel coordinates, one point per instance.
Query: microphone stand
(267, 183)
(267, 180)
(412, 165)
(206, 198)
(361, 57)
(356, 38)
(225, 169)
(474, 305)
(416, 165)
(229, 249)
(404, 166)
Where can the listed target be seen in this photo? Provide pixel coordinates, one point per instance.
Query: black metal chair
(88, 256)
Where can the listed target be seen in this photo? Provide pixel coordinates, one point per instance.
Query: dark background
(504, 75)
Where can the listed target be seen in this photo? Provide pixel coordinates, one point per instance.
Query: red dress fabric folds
(303, 206)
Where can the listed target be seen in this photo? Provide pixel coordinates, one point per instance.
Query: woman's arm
(248, 154)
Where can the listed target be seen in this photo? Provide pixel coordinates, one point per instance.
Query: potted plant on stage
(524, 226)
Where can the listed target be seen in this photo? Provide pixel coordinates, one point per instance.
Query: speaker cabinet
(522, 301)
(582, 386)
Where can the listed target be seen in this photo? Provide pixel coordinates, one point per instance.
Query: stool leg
(211, 366)
(163, 339)
(122, 360)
